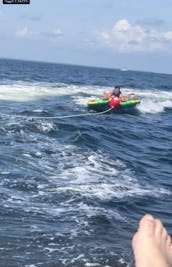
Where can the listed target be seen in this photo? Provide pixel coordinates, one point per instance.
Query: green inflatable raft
(103, 105)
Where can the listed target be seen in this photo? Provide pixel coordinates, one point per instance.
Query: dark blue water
(72, 190)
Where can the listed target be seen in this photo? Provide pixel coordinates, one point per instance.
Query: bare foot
(151, 244)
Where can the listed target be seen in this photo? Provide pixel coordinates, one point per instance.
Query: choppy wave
(152, 101)
(72, 191)
(25, 92)
(99, 176)
(90, 175)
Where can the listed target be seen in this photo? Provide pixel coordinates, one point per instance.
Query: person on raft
(116, 93)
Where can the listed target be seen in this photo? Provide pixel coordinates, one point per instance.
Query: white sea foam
(106, 191)
(97, 176)
(91, 175)
(24, 92)
(152, 101)
(45, 126)
(89, 264)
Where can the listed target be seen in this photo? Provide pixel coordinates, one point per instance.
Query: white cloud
(127, 38)
(54, 34)
(57, 33)
(24, 33)
(168, 36)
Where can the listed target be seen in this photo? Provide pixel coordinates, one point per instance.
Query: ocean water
(73, 190)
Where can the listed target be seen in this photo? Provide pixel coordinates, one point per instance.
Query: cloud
(54, 34)
(24, 33)
(127, 38)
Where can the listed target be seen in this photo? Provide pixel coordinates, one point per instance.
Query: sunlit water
(72, 191)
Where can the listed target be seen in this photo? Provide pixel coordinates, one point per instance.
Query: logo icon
(16, 2)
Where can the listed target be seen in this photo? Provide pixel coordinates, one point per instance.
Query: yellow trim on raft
(102, 102)
(92, 102)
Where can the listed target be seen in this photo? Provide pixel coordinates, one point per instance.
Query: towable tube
(102, 105)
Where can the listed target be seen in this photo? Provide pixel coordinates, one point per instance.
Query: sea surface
(72, 190)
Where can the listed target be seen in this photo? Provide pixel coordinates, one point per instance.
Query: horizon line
(79, 65)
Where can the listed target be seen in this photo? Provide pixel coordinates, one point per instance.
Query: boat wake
(152, 101)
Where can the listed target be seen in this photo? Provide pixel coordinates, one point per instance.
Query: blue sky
(128, 34)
